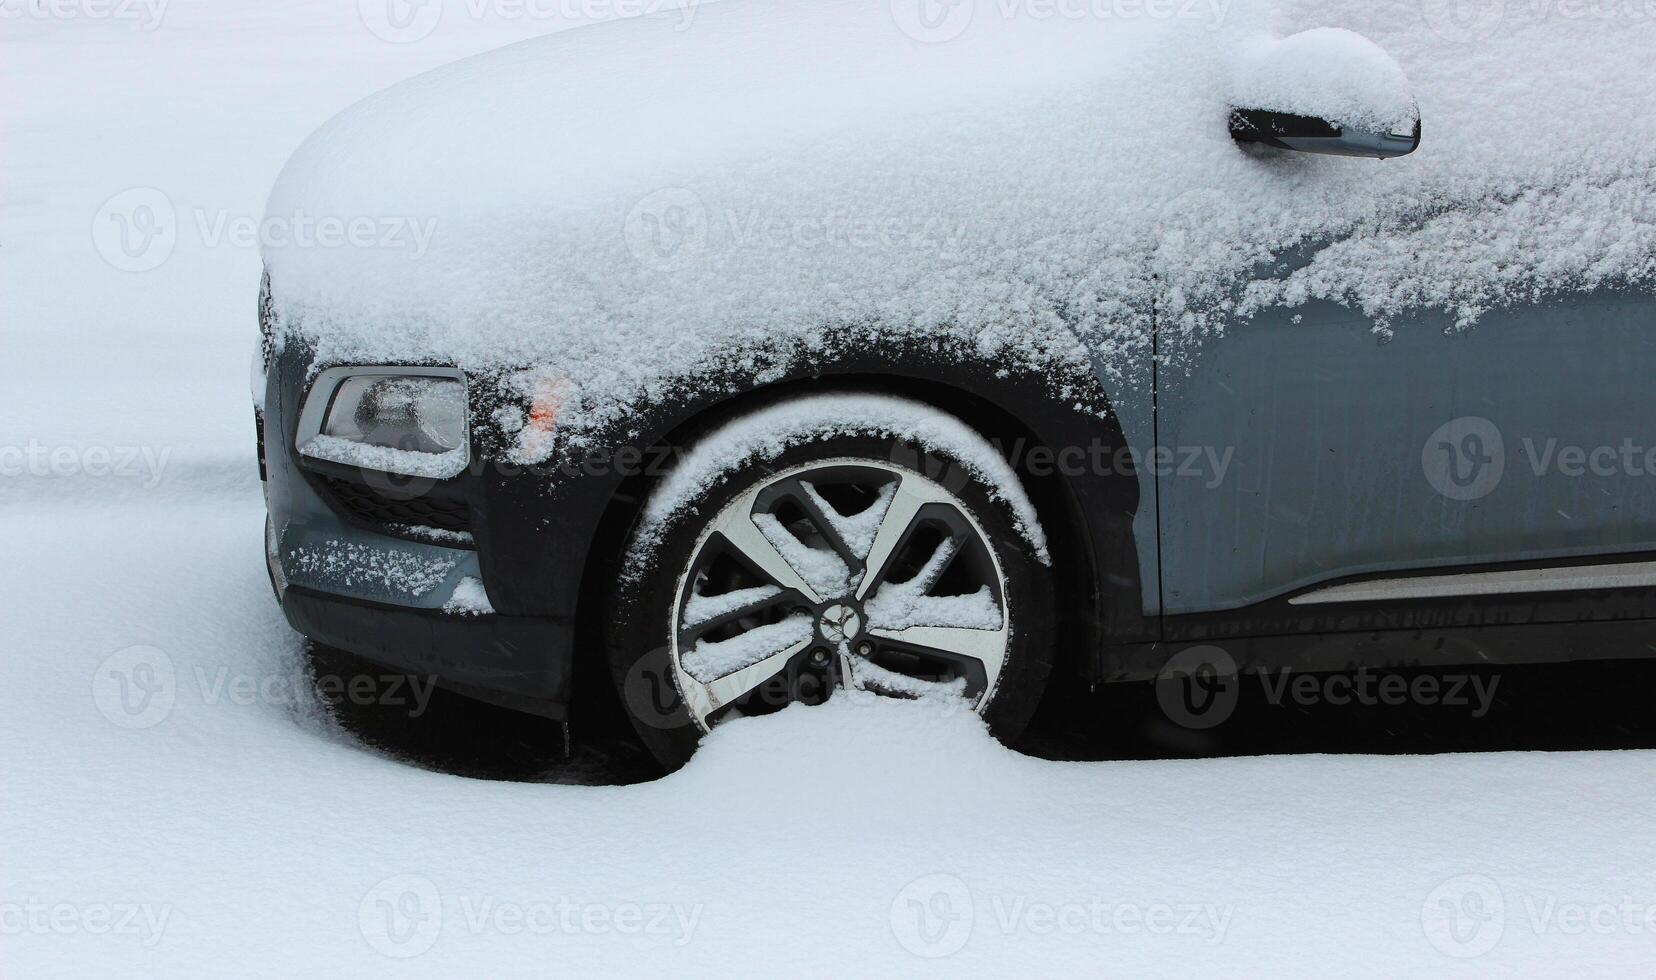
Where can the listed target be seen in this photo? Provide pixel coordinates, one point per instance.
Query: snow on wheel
(886, 552)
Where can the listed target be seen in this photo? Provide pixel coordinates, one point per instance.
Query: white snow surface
(348, 564)
(267, 842)
(434, 535)
(470, 598)
(349, 452)
(1328, 73)
(773, 430)
(635, 208)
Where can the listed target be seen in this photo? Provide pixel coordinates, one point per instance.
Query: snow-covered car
(761, 348)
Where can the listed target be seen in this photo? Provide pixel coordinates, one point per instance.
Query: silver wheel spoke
(704, 612)
(987, 647)
(912, 494)
(716, 694)
(936, 565)
(738, 529)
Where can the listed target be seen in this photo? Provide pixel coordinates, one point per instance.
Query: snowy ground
(174, 800)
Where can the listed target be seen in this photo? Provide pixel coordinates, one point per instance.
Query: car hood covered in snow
(622, 209)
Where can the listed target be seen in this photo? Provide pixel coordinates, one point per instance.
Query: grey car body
(1357, 471)
(1492, 487)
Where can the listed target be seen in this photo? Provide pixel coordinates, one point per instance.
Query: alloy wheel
(844, 572)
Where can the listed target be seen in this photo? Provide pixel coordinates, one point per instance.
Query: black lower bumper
(517, 662)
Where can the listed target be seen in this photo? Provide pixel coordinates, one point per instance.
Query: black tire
(644, 605)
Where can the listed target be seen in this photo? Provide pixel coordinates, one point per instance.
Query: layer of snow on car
(348, 452)
(653, 206)
(469, 599)
(1327, 73)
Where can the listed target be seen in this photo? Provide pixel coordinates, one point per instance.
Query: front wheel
(844, 561)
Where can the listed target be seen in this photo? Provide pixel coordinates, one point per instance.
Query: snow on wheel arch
(767, 433)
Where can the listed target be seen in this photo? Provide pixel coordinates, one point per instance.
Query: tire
(710, 612)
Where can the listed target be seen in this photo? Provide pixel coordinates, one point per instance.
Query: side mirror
(1324, 91)
(1308, 134)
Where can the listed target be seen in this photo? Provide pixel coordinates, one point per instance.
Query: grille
(370, 507)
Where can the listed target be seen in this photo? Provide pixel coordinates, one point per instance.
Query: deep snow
(224, 824)
(267, 840)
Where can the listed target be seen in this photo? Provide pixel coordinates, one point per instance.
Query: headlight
(419, 415)
(399, 420)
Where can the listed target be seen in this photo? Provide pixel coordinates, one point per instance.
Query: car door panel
(1526, 438)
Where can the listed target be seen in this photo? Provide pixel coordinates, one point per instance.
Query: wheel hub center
(840, 623)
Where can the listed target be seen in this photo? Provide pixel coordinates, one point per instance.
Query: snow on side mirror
(1324, 91)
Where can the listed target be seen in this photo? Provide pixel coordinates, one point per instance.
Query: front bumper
(391, 601)
(504, 660)
(359, 579)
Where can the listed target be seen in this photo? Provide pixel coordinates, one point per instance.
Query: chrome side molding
(1573, 578)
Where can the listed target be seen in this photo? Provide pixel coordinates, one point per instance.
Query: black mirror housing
(1308, 134)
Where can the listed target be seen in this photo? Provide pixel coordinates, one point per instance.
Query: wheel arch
(1088, 515)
